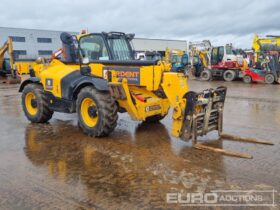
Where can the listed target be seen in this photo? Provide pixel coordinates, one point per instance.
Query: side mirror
(85, 70)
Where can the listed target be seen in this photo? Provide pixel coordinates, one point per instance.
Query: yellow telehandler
(97, 77)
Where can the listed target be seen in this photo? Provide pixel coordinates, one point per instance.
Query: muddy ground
(55, 166)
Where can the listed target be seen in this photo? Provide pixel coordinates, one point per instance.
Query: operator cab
(106, 46)
(109, 48)
(222, 53)
(6, 67)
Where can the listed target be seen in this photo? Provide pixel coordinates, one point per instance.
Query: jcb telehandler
(97, 77)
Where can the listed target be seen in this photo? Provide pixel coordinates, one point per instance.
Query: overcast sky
(221, 21)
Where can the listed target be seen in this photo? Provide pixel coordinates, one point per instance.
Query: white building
(31, 43)
(143, 44)
(34, 43)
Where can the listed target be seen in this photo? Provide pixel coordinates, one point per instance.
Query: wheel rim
(229, 75)
(247, 79)
(269, 79)
(204, 75)
(89, 112)
(31, 103)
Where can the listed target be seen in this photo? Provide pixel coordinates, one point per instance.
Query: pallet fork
(199, 123)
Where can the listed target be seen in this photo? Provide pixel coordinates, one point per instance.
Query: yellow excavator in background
(204, 57)
(200, 53)
(7, 68)
(265, 44)
(10, 69)
(264, 62)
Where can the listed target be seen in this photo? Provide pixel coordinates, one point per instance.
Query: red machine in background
(225, 63)
(268, 71)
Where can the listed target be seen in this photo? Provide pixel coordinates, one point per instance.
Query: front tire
(97, 112)
(35, 104)
(247, 79)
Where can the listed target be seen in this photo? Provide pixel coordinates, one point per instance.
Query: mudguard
(28, 81)
(72, 83)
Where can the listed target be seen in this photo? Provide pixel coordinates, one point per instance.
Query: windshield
(93, 48)
(229, 50)
(176, 59)
(195, 59)
(153, 57)
(120, 48)
(149, 57)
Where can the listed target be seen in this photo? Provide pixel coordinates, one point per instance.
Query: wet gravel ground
(55, 166)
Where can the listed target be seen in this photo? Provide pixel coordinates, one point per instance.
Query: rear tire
(247, 79)
(97, 112)
(269, 79)
(206, 75)
(229, 75)
(35, 104)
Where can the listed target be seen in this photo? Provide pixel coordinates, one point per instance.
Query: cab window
(214, 56)
(120, 48)
(93, 47)
(221, 53)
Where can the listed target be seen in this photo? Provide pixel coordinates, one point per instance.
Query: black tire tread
(268, 82)
(207, 71)
(43, 115)
(107, 106)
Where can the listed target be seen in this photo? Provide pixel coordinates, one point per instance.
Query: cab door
(214, 56)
